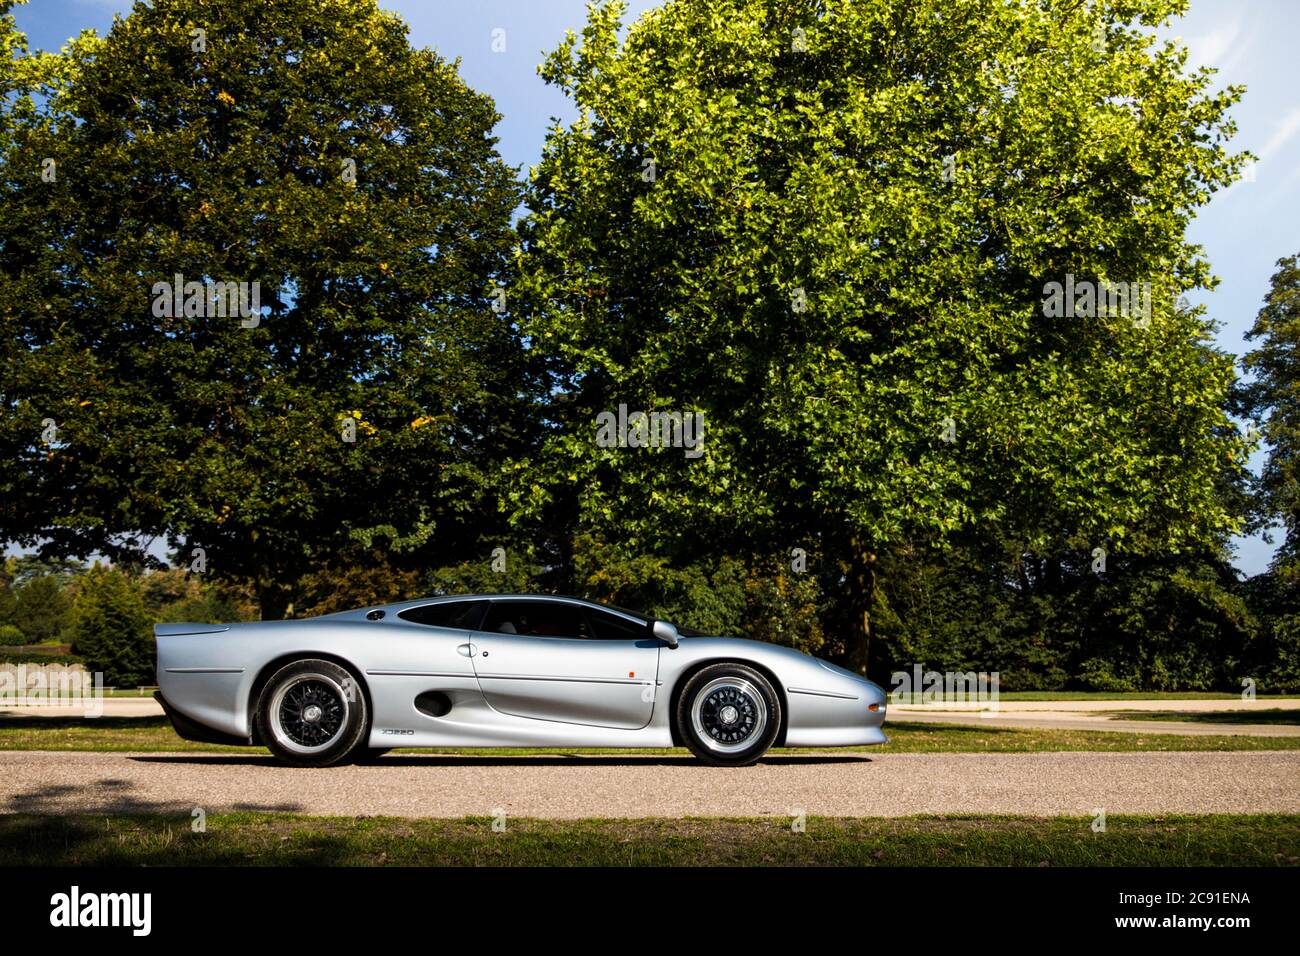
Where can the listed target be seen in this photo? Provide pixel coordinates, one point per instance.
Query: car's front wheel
(728, 714)
(312, 713)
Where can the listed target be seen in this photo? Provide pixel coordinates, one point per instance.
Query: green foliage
(24, 567)
(800, 268)
(10, 636)
(208, 608)
(361, 576)
(1159, 626)
(517, 571)
(821, 171)
(111, 628)
(177, 595)
(13, 54)
(8, 603)
(41, 608)
(1275, 599)
(784, 607)
(708, 596)
(1183, 623)
(827, 227)
(229, 163)
(1280, 668)
(751, 596)
(1273, 398)
(967, 609)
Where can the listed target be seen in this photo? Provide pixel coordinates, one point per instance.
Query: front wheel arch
(685, 678)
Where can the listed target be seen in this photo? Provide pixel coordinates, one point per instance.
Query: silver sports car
(502, 670)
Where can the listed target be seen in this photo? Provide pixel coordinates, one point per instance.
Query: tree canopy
(832, 228)
(208, 157)
(1272, 396)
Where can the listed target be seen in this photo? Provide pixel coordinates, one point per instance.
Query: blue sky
(1244, 230)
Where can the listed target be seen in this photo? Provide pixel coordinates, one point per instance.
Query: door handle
(466, 650)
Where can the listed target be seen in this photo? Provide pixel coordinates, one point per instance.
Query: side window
(611, 627)
(536, 618)
(458, 614)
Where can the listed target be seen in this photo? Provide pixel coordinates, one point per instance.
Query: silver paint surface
(506, 690)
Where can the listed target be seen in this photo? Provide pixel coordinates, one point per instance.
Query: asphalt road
(1045, 784)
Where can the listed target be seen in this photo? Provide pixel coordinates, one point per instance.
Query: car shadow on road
(496, 760)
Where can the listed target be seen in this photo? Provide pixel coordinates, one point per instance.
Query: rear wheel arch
(269, 669)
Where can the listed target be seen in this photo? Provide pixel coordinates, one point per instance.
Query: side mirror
(665, 632)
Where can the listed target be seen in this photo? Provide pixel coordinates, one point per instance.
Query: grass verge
(246, 839)
(154, 734)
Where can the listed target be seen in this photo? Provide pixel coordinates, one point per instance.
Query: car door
(418, 668)
(443, 648)
(560, 660)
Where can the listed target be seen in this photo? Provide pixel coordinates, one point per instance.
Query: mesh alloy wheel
(313, 713)
(728, 714)
(309, 713)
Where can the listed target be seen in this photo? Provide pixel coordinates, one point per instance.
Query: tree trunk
(861, 588)
(274, 601)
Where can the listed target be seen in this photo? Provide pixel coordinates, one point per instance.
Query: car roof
(400, 606)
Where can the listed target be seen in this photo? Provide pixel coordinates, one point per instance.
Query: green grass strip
(247, 839)
(154, 734)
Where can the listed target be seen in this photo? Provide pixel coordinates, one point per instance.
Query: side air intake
(434, 703)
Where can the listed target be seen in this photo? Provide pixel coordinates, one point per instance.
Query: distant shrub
(40, 609)
(111, 628)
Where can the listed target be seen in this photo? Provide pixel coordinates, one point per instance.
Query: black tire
(313, 713)
(728, 715)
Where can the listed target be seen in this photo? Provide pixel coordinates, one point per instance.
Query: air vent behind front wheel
(434, 703)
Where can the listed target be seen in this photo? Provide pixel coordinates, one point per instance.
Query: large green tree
(27, 81)
(306, 146)
(831, 227)
(110, 628)
(40, 609)
(1272, 397)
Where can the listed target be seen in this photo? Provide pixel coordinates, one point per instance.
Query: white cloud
(1224, 46)
(1283, 134)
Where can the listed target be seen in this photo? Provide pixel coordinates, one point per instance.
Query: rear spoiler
(188, 627)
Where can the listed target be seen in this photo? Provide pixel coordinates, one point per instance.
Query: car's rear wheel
(312, 713)
(728, 714)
